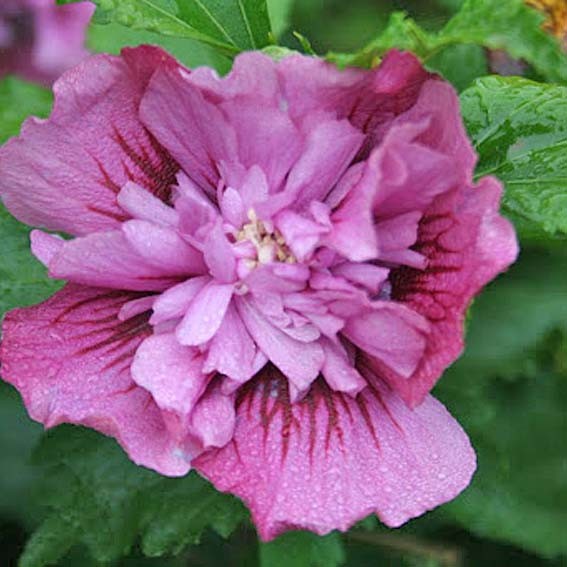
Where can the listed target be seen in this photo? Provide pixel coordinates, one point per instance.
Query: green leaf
(23, 280)
(513, 313)
(303, 549)
(280, 15)
(18, 100)
(111, 38)
(18, 435)
(496, 24)
(229, 25)
(460, 64)
(108, 503)
(510, 25)
(508, 392)
(242, 23)
(519, 129)
(49, 543)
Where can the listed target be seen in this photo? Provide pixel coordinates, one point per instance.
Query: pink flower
(40, 40)
(269, 273)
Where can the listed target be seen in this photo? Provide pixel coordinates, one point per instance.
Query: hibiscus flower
(269, 272)
(40, 40)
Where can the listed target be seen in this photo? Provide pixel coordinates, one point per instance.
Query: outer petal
(467, 244)
(302, 85)
(70, 359)
(438, 102)
(64, 173)
(370, 100)
(331, 460)
(252, 77)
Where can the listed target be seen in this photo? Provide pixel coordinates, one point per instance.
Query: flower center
(269, 243)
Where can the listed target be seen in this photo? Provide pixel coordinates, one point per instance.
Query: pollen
(269, 242)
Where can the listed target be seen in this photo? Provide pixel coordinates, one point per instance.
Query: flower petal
(214, 417)
(267, 137)
(107, 259)
(174, 302)
(353, 234)
(330, 147)
(300, 362)
(370, 100)
(141, 204)
(467, 243)
(438, 102)
(232, 351)
(96, 144)
(330, 460)
(253, 76)
(339, 371)
(163, 248)
(219, 255)
(173, 375)
(409, 174)
(70, 359)
(205, 314)
(191, 128)
(392, 333)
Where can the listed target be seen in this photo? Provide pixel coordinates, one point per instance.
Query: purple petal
(205, 314)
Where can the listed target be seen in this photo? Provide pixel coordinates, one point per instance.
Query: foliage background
(78, 502)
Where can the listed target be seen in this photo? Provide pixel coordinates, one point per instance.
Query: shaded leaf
(460, 64)
(509, 392)
(303, 549)
(23, 280)
(108, 503)
(18, 435)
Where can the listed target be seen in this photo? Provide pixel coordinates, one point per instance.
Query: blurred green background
(509, 390)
